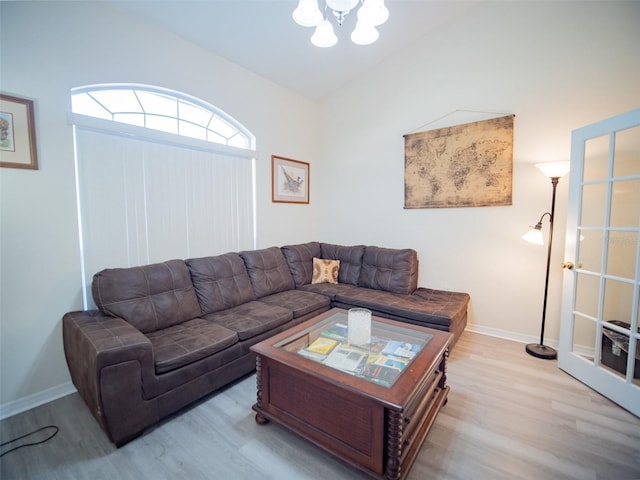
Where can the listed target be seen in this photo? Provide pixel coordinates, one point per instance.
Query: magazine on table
(401, 349)
(322, 345)
(347, 359)
(338, 331)
(381, 374)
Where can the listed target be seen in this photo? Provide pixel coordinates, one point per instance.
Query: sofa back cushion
(350, 260)
(149, 297)
(393, 270)
(220, 282)
(300, 261)
(268, 271)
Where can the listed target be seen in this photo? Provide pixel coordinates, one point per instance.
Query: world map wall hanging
(468, 165)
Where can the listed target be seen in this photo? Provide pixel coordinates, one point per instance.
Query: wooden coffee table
(374, 407)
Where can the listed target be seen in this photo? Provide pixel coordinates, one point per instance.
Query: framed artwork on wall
(289, 180)
(17, 133)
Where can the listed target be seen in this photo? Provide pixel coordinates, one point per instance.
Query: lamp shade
(534, 235)
(307, 14)
(373, 12)
(364, 34)
(342, 5)
(324, 36)
(554, 169)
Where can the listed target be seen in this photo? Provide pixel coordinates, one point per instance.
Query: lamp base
(541, 351)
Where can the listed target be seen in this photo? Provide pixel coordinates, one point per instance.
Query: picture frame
(289, 180)
(17, 133)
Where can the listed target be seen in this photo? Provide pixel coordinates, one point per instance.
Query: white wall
(46, 49)
(557, 66)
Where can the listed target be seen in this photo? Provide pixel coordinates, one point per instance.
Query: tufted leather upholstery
(180, 345)
(150, 297)
(350, 260)
(388, 269)
(268, 271)
(252, 318)
(300, 260)
(220, 282)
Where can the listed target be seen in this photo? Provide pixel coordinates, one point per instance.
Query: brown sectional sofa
(167, 334)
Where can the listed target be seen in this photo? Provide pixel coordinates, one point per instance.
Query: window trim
(158, 136)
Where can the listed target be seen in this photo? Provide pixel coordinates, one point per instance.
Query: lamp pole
(540, 350)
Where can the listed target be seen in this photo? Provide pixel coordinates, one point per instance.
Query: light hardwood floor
(509, 416)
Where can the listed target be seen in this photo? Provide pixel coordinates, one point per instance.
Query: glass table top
(390, 350)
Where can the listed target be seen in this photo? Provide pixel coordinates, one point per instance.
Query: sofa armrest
(93, 341)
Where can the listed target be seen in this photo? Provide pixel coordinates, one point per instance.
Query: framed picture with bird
(289, 180)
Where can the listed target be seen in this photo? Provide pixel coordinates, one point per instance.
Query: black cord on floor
(29, 444)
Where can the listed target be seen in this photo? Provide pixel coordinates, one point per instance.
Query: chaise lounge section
(167, 334)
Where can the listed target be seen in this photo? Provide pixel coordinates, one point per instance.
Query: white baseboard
(507, 335)
(582, 350)
(35, 400)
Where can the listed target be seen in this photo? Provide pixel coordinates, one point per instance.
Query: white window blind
(142, 201)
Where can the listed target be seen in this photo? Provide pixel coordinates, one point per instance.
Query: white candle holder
(359, 326)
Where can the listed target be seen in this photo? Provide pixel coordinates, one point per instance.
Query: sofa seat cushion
(390, 269)
(300, 260)
(329, 289)
(427, 306)
(350, 260)
(220, 281)
(179, 345)
(150, 297)
(251, 318)
(298, 301)
(268, 271)
(445, 303)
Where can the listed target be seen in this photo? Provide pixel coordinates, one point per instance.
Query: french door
(599, 336)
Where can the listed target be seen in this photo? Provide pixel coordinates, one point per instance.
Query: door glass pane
(593, 205)
(626, 153)
(615, 347)
(584, 337)
(618, 300)
(622, 256)
(625, 203)
(587, 294)
(596, 158)
(590, 250)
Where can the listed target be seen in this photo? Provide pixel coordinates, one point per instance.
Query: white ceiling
(261, 36)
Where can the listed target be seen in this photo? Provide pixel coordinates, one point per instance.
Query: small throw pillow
(325, 271)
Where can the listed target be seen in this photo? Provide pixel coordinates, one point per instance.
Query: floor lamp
(553, 170)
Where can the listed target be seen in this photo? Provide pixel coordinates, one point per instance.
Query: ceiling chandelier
(370, 14)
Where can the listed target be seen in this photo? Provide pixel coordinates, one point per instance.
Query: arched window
(160, 109)
(159, 175)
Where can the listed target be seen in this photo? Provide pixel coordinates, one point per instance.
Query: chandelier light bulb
(307, 14)
(342, 5)
(324, 36)
(364, 34)
(370, 14)
(373, 12)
